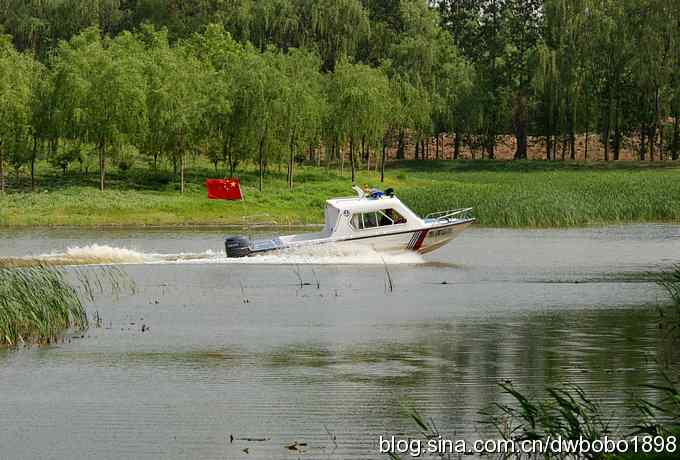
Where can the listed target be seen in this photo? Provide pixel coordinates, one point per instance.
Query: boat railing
(451, 214)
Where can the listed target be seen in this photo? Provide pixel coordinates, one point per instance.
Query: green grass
(37, 304)
(505, 194)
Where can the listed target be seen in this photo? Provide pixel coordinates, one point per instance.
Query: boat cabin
(365, 214)
(368, 214)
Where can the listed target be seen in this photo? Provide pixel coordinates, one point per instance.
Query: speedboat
(373, 218)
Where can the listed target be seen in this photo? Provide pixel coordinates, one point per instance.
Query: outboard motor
(237, 246)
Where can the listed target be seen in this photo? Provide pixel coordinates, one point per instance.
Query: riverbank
(504, 194)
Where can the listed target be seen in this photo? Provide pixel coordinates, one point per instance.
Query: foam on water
(327, 254)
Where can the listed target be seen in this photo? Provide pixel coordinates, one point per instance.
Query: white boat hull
(423, 240)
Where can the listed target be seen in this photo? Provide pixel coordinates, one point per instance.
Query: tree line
(268, 81)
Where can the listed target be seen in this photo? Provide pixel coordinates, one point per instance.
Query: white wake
(327, 254)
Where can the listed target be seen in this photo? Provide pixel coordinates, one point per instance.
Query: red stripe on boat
(412, 241)
(421, 238)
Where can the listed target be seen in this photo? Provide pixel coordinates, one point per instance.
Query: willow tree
(220, 52)
(674, 87)
(176, 100)
(336, 28)
(652, 66)
(255, 105)
(521, 32)
(302, 104)
(411, 110)
(358, 99)
(43, 124)
(17, 78)
(101, 91)
(453, 107)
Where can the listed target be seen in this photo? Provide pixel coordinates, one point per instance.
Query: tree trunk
(491, 143)
(652, 141)
(261, 161)
(675, 145)
(456, 146)
(415, 155)
(548, 140)
(400, 147)
(423, 154)
(605, 135)
(291, 159)
(643, 145)
(181, 172)
(585, 153)
(520, 121)
(102, 165)
(332, 155)
(617, 130)
(617, 142)
(33, 158)
(2, 169)
(382, 162)
(657, 125)
(342, 160)
(351, 157)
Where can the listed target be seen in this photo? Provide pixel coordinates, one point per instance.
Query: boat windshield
(380, 218)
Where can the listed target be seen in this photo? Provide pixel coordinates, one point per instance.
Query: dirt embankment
(507, 145)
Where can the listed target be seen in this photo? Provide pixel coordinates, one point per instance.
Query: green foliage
(359, 99)
(503, 194)
(18, 72)
(567, 413)
(37, 304)
(267, 82)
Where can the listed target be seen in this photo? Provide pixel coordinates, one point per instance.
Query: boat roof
(356, 203)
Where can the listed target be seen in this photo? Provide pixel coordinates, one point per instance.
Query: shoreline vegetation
(356, 82)
(37, 305)
(503, 194)
(40, 302)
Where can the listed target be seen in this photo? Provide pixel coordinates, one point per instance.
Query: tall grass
(671, 283)
(514, 194)
(560, 198)
(39, 303)
(567, 412)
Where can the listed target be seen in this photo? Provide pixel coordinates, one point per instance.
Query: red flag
(224, 189)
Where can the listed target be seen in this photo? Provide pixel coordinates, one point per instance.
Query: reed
(670, 281)
(37, 305)
(567, 412)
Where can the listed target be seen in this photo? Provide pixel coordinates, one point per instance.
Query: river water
(316, 348)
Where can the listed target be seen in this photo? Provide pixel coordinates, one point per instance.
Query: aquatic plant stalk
(37, 304)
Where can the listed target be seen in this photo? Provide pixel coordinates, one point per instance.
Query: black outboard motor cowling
(237, 246)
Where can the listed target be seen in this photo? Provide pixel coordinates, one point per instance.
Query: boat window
(380, 218)
(390, 217)
(370, 220)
